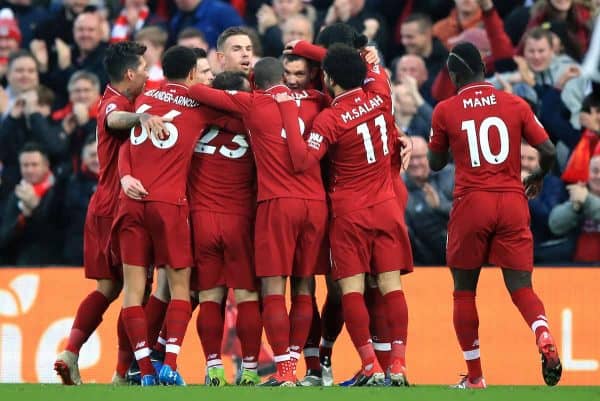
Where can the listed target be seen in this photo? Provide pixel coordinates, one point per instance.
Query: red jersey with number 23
(483, 127)
(104, 200)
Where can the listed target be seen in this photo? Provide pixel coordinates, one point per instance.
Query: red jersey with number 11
(483, 128)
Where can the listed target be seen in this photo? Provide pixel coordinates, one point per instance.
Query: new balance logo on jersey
(172, 340)
(141, 344)
(315, 140)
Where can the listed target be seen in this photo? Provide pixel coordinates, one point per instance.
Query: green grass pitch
(93, 392)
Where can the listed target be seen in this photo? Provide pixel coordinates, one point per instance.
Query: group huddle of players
(257, 176)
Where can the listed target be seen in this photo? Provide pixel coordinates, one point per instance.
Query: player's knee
(516, 279)
(273, 285)
(242, 295)
(303, 286)
(213, 295)
(389, 281)
(354, 283)
(109, 288)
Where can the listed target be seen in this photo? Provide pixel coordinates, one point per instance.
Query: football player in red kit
(489, 223)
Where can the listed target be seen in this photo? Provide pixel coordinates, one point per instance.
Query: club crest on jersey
(315, 140)
(110, 107)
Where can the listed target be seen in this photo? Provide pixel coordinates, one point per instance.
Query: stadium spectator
(355, 14)
(59, 24)
(414, 66)
(573, 18)
(192, 37)
(155, 39)
(80, 187)
(581, 215)
(211, 17)
(417, 38)
(412, 113)
(31, 225)
(10, 39)
(547, 247)
(466, 14)
(270, 22)
(78, 117)
(297, 27)
(28, 14)
(134, 16)
(428, 207)
(87, 54)
(22, 75)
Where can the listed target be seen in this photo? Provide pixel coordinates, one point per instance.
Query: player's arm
(231, 101)
(438, 141)
(303, 156)
(123, 120)
(132, 187)
(305, 49)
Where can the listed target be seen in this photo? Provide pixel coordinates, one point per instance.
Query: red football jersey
(262, 119)
(163, 166)
(355, 132)
(222, 177)
(483, 128)
(104, 200)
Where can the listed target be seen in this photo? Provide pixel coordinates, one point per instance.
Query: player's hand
(133, 188)
(289, 46)
(283, 97)
(155, 125)
(578, 193)
(406, 148)
(533, 184)
(371, 55)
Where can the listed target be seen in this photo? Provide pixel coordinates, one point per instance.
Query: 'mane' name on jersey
(479, 101)
(362, 109)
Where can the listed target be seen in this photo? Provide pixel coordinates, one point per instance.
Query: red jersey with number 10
(483, 128)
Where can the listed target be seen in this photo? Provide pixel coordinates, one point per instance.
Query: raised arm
(231, 101)
(303, 155)
(306, 50)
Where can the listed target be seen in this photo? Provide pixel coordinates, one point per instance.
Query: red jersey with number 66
(483, 128)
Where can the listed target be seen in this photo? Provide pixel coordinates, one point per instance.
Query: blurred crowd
(52, 78)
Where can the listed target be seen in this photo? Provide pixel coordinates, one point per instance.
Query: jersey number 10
(484, 141)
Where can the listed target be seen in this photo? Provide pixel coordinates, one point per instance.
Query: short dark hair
(178, 61)
(345, 66)
(423, 20)
(89, 140)
(31, 147)
(268, 72)
(538, 33)
(45, 96)
(120, 57)
(230, 80)
(200, 53)
(229, 32)
(191, 32)
(341, 33)
(21, 53)
(465, 61)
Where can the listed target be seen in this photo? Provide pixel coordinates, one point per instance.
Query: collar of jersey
(343, 95)
(475, 85)
(279, 88)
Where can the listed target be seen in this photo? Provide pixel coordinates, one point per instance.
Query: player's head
(343, 69)
(179, 64)
(298, 71)
(232, 80)
(341, 33)
(234, 49)
(465, 64)
(124, 63)
(268, 72)
(204, 74)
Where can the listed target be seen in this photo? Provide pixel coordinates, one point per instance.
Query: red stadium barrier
(37, 307)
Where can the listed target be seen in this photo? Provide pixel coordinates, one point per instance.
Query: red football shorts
(223, 251)
(288, 235)
(153, 233)
(370, 240)
(96, 261)
(490, 227)
(324, 258)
